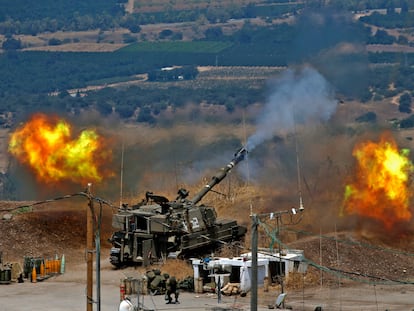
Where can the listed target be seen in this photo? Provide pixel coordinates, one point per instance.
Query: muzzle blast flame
(46, 145)
(380, 188)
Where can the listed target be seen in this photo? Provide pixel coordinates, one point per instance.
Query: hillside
(345, 252)
(59, 228)
(328, 237)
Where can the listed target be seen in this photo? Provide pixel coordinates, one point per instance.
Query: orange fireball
(46, 145)
(380, 188)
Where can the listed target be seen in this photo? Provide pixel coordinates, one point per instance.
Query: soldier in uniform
(172, 289)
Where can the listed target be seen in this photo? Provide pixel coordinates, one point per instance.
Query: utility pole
(89, 250)
(253, 298)
(281, 276)
(254, 246)
(98, 260)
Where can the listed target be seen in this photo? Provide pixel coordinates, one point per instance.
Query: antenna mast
(301, 207)
(122, 177)
(247, 161)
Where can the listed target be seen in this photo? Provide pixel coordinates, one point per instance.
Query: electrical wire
(354, 276)
(349, 242)
(68, 196)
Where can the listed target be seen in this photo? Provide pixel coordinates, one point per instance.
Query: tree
(135, 28)
(382, 37)
(402, 40)
(405, 103)
(54, 41)
(128, 38)
(165, 33)
(104, 108)
(177, 36)
(250, 10)
(214, 33)
(407, 123)
(390, 8)
(131, 22)
(145, 116)
(245, 34)
(125, 111)
(367, 117)
(404, 7)
(215, 15)
(12, 44)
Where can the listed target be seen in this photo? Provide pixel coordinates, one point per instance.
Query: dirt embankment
(60, 228)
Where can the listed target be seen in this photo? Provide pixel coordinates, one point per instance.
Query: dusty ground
(67, 292)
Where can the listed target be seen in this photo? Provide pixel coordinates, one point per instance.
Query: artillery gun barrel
(238, 156)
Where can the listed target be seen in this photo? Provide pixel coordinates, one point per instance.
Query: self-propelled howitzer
(157, 227)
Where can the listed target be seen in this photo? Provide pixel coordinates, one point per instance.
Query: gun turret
(238, 156)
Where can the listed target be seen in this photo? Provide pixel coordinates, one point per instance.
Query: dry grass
(147, 135)
(82, 41)
(390, 48)
(302, 280)
(78, 47)
(181, 269)
(161, 5)
(178, 268)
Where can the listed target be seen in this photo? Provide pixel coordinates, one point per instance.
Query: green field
(178, 47)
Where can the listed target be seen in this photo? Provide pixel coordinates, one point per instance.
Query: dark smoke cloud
(295, 98)
(334, 43)
(323, 29)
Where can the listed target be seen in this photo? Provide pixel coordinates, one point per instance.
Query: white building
(270, 266)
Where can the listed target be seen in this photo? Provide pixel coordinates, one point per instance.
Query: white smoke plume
(296, 98)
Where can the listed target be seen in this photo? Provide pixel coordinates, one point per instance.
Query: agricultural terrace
(178, 47)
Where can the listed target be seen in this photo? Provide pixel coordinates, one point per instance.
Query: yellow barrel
(42, 269)
(34, 275)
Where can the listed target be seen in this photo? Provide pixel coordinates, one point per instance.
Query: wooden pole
(89, 251)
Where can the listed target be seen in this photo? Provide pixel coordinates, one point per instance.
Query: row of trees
(382, 37)
(149, 102)
(52, 16)
(45, 72)
(362, 5)
(35, 74)
(104, 18)
(135, 103)
(405, 19)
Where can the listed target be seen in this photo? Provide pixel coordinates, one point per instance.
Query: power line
(351, 275)
(354, 276)
(68, 196)
(349, 242)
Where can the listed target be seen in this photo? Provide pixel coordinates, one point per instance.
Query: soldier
(172, 289)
